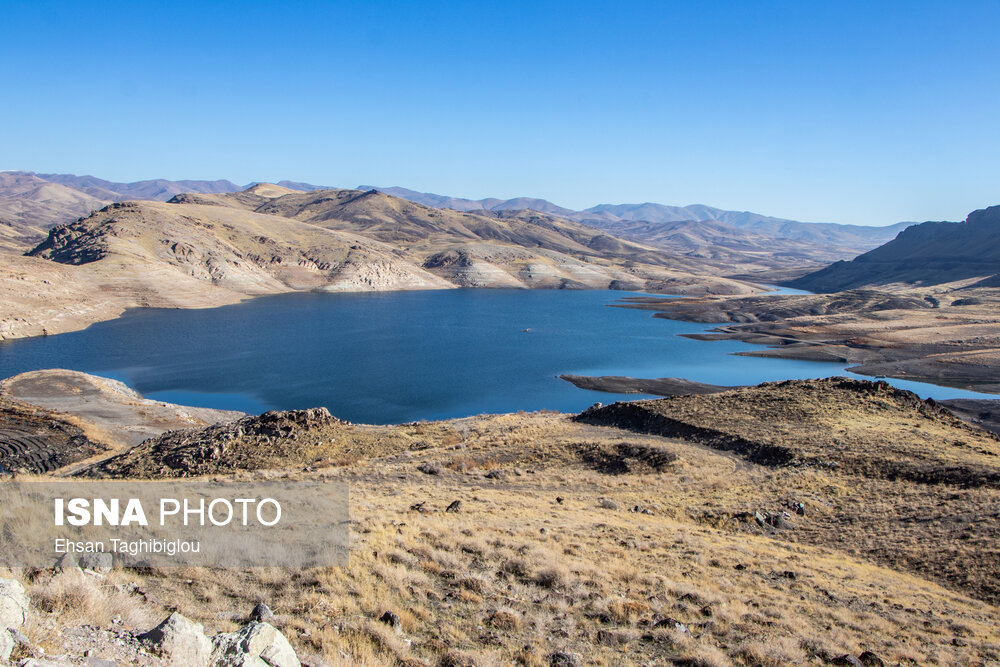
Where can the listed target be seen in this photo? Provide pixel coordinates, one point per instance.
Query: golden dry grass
(518, 576)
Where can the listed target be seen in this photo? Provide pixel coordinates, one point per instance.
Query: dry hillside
(792, 523)
(208, 250)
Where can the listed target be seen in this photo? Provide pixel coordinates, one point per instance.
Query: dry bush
(706, 656)
(558, 577)
(77, 597)
(626, 611)
(771, 652)
(504, 620)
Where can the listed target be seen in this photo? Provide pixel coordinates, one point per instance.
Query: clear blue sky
(863, 112)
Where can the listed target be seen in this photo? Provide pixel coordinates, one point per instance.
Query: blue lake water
(401, 356)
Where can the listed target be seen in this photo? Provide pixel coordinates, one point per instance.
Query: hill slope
(508, 249)
(29, 206)
(931, 253)
(624, 542)
(203, 250)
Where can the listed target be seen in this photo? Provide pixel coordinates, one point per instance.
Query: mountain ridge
(930, 253)
(603, 216)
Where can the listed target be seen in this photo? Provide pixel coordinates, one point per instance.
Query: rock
(560, 499)
(604, 503)
(392, 620)
(496, 474)
(31, 662)
(870, 659)
(67, 562)
(98, 562)
(429, 468)
(13, 604)
(456, 506)
(254, 645)
(180, 640)
(740, 566)
(800, 509)
(7, 644)
(671, 623)
(563, 659)
(847, 659)
(100, 662)
(261, 613)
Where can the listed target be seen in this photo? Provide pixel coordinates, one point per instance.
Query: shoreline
(906, 335)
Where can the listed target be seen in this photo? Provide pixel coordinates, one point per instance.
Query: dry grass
(517, 576)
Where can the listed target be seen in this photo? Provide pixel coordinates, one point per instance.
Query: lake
(391, 357)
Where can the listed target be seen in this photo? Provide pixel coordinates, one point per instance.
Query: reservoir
(391, 357)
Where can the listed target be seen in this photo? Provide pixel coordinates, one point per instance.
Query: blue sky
(859, 112)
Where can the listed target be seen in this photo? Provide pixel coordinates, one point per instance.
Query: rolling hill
(209, 249)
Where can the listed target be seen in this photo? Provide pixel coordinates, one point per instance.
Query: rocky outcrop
(183, 643)
(13, 614)
(180, 641)
(256, 644)
(254, 441)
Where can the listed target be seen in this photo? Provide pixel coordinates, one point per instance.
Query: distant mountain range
(839, 239)
(32, 203)
(931, 253)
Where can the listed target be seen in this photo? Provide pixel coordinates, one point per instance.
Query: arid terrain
(948, 336)
(97, 248)
(204, 250)
(826, 521)
(807, 522)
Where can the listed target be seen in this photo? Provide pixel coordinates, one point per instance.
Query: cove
(391, 357)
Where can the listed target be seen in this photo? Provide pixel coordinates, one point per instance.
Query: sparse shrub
(706, 656)
(626, 611)
(504, 620)
(474, 584)
(553, 577)
(519, 567)
(458, 659)
(772, 652)
(72, 595)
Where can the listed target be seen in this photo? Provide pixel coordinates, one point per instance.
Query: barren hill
(236, 250)
(29, 206)
(208, 249)
(931, 253)
(512, 249)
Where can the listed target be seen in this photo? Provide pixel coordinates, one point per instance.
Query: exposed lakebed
(392, 357)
